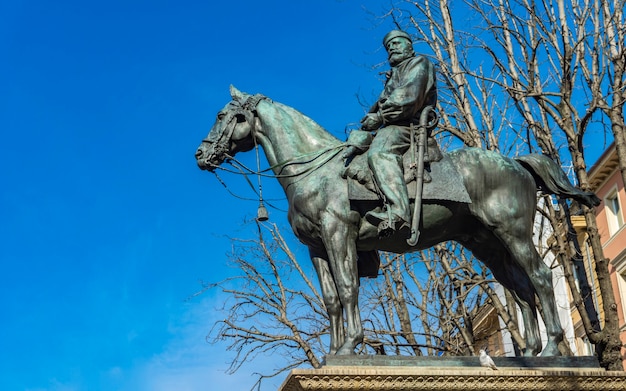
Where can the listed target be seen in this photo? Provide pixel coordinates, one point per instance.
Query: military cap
(395, 34)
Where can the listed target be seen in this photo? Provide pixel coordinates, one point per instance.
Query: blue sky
(106, 224)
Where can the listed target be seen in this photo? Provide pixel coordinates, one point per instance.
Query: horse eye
(220, 116)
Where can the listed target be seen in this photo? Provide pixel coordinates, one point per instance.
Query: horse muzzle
(207, 158)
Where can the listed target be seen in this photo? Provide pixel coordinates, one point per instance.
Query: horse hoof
(550, 352)
(345, 351)
(529, 353)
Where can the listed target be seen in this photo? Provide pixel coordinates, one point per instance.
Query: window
(621, 288)
(619, 263)
(581, 341)
(614, 212)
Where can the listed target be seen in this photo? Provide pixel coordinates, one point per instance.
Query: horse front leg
(331, 301)
(340, 242)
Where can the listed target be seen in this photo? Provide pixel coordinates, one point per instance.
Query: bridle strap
(252, 101)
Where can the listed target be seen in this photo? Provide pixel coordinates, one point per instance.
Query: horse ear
(236, 94)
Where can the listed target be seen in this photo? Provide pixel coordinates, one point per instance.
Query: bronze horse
(496, 226)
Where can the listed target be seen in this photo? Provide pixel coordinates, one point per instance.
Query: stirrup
(388, 228)
(399, 227)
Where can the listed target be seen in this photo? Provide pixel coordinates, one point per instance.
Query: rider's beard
(396, 58)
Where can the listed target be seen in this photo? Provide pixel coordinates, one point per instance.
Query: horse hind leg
(331, 302)
(528, 307)
(523, 291)
(523, 253)
(540, 276)
(511, 276)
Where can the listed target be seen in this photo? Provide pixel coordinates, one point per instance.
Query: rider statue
(410, 88)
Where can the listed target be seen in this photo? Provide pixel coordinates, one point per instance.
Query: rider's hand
(371, 121)
(350, 152)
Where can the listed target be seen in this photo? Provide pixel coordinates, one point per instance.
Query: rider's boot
(387, 171)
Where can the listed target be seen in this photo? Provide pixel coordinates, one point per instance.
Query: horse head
(232, 131)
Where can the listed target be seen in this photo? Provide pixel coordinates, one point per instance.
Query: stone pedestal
(458, 373)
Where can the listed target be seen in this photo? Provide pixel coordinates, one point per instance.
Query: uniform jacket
(410, 87)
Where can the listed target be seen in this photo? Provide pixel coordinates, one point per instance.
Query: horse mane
(315, 133)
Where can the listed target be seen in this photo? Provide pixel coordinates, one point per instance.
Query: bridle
(245, 110)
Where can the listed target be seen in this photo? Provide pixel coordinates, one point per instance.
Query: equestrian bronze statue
(490, 210)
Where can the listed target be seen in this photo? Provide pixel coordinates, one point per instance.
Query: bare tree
(612, 59)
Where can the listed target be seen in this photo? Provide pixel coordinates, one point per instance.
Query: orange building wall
(614, 245)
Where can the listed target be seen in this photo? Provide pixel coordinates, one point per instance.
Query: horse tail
(551, 179)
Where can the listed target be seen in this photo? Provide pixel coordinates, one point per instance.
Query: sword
(419, 174)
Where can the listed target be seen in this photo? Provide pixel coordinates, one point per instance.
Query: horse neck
(287, 135)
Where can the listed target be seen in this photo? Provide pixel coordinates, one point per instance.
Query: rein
(294, 161)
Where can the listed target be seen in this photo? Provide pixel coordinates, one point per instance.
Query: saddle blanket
(447, 183)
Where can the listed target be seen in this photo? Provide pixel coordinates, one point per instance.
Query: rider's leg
(385, 161)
